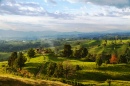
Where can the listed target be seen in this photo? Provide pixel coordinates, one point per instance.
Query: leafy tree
(59, 70)
(12, 59)
(51, 68)
(106, 58)
(99, 60)
(127, 54)
(67, 50)
(20, 61)
(83, 52)
(68, 69)
(76, 54)
(114, 59)
(123, 59)
(31, 53)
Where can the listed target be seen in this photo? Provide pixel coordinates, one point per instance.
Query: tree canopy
(31, 53)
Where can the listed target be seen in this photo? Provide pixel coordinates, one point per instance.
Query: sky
(65, 15)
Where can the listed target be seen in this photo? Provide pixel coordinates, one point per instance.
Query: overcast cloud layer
(65, 15)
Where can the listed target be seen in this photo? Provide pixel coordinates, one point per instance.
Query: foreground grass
(17, 81)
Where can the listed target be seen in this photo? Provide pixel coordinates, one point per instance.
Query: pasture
(118, 74)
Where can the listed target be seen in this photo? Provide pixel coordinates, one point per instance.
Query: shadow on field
(96, 76)
(33, 67)
(116, 68)
(32, 64)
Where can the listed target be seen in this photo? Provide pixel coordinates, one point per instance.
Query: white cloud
(79, 23)
(15, 8)
(51, 1)
(32, 16)
(34, 9)
(94, 10)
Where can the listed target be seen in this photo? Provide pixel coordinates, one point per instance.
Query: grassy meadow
(117, 74)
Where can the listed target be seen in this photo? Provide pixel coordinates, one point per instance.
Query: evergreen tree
(12, 59)
(20, 61)
(31, 53)
(99, 60)
(59, 70)
(67, 51)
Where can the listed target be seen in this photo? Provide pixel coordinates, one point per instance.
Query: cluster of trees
(113, 58)
(10, 46)
(17, 46)
(61, 70)
(17, 60)
(77, 53)
(125, 58)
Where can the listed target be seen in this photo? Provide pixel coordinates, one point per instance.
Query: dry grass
(17, 81)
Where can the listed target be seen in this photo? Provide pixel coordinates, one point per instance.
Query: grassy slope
(7, 79)
(108, 48)
(89, 72)
(17, 81)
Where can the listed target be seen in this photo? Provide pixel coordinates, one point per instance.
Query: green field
(4, 56)
(118, 74)
(89, 74)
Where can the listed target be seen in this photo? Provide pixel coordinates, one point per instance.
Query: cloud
(117, 3)
(75, 17)
(51, 1)
(12, 7)
(79, 23)
(20, 8)
(29, 9)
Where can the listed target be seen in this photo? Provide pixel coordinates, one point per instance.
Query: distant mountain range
(116, 31)
(32, 35)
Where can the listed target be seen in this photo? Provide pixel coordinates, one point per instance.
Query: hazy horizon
(65, 15)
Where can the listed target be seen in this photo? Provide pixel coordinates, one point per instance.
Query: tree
(31, 53)
(83, 52)
(76, 54)
(123, 59)
(51, 68)
(12, 59)
(127, 54)
(80, 53)
(99, 60)
(20, 61)
(68, 69)
(113, 59)
(59, 70)
(67, 50)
